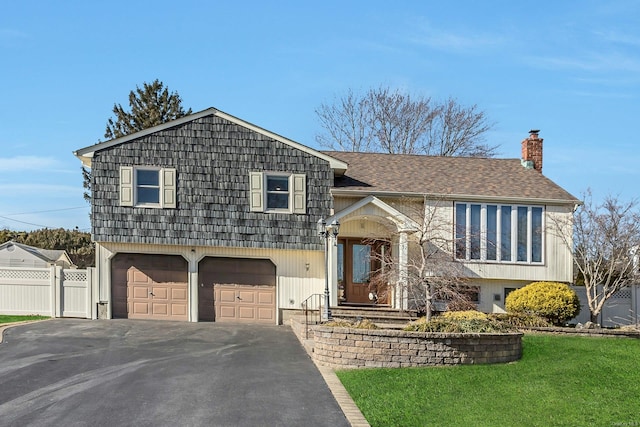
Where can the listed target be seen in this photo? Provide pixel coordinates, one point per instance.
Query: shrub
(464, 315)
(556, 302)
(442, 324)
(521, 320)
(359, 324)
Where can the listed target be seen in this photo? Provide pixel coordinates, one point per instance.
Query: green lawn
(560, 381)
(12, 319)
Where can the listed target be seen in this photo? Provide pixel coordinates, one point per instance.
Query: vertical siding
(299, 273)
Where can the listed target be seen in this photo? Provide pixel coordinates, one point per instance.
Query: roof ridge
(433, 156)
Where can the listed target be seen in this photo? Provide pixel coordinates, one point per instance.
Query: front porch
(367, 266)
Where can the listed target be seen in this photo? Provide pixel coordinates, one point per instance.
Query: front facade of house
(210, 218)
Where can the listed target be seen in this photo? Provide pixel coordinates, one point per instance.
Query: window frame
(137, 186)
(259, 192)
(464, 238)
(129, 186)
(266, 191)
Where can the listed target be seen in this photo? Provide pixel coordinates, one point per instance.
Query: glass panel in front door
(361, 263)
(340, 262)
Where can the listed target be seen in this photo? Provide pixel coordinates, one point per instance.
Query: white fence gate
(50, 291)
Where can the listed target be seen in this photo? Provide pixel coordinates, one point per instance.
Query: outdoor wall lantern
(326, 232)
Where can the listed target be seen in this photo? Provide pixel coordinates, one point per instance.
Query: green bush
(555, 302)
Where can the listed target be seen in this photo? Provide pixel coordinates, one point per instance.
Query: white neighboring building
(14, 254)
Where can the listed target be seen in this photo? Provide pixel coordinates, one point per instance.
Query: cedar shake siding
(213, 158)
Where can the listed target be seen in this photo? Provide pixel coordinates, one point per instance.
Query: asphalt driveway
(144, 373)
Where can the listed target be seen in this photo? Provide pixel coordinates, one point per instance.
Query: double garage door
(156, 287)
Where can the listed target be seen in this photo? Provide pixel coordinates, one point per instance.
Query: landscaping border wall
(359, 348)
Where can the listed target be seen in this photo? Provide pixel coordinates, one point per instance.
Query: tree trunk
(593, 317)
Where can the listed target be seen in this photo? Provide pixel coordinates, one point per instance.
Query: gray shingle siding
(212, 158)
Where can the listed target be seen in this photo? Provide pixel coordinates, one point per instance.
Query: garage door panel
(265, 314)
(141, 292)
(161, 309)
(246, 313)
(160, 293)
(140, 308)
(226, 295)
(178, 309)
(178, 294)
(266, 297)
(226, 312)
(149, 286)
(247, 296)
(138, 276)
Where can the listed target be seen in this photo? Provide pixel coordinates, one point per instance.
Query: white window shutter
(256, 196)
(299, 193)
(126, 185)
(169, 187)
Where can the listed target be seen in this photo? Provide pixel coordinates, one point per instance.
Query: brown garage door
(149, 287)
(237, 290)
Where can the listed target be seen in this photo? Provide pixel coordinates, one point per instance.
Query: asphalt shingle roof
(451, 176)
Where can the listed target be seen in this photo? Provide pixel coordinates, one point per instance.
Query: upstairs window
(278, 192)
(149, 187)
(499, 233)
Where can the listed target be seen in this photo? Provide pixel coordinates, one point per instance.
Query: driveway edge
(11, 325)
(350, 410)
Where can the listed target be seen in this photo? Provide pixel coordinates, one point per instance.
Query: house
(210, 217)
(14, 254)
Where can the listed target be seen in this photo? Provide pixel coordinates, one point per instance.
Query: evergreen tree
(150, 106)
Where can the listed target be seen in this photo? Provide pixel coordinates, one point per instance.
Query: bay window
(499, 233)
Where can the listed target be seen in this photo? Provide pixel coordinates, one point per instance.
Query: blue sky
(568, 68)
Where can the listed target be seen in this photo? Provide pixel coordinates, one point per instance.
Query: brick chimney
(532, 151)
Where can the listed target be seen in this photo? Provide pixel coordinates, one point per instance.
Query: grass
(12, 319)
(560, 381)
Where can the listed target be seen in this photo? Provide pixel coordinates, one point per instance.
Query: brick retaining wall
(358, 348)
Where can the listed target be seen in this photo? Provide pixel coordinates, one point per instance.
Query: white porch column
(403, 258)
(193, 287)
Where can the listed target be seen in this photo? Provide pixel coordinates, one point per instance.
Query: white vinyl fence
(50, 291)
(619, 310)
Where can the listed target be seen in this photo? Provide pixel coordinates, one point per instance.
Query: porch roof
(402, 221)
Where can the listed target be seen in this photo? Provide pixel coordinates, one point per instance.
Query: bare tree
(604, 240)
(398, 124)
(459, 131)
(431, 274)
(390, 121)
(345, 122)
